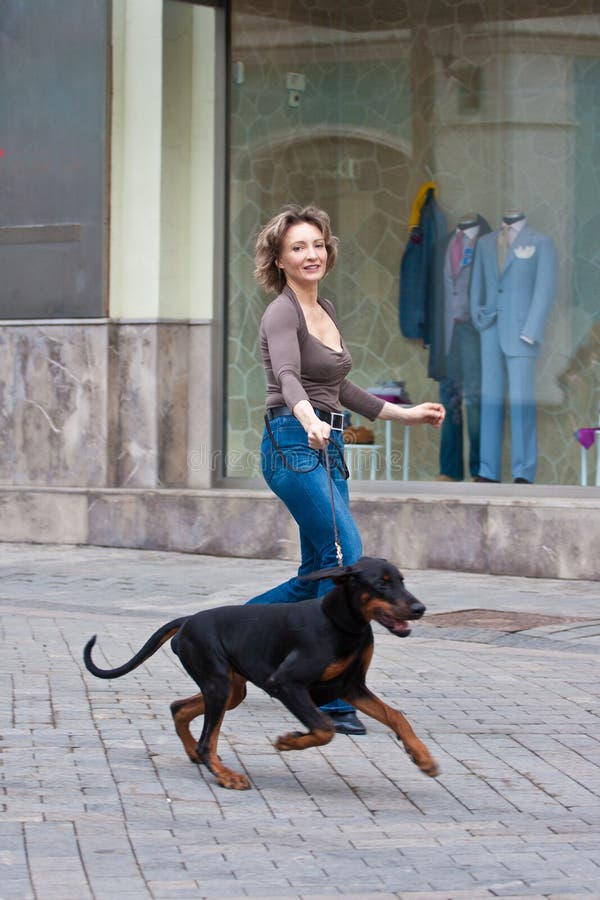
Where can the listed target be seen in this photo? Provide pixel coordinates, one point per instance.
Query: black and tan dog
(304, 654)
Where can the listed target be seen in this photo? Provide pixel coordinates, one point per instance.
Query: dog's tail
(150, 647)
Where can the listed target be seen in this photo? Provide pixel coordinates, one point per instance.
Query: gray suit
(510, 309)
(455, 354)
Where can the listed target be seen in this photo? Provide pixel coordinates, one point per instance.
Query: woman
(306, 364)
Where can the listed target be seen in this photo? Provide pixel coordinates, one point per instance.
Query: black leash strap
(340, 465)
(336, 536)
(281, 454)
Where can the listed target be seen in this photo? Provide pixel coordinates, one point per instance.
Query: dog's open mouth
(399, 627)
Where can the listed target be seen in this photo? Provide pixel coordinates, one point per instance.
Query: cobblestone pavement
(98, 800)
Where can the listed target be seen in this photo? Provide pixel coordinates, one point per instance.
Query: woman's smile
(303, 255)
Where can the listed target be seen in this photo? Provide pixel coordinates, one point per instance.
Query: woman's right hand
(318, 434)
(317, 431)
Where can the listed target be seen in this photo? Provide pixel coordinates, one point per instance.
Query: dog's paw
(194, 757)
(288, 741)
(422, 758)
(429, 767)
(234, 781)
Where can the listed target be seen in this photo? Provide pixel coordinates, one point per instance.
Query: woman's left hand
(423, 414)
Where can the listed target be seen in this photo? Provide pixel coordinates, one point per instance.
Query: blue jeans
(298, 475)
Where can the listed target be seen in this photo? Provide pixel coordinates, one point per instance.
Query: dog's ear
(336, 573)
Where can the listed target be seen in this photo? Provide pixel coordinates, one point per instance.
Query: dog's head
(379, 587)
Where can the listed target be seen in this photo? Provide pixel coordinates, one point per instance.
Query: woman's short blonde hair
(270, 239)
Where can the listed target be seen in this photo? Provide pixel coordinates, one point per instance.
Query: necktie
(503, 245)
(456, 252)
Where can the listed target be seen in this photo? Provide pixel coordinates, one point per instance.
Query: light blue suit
(510, 309)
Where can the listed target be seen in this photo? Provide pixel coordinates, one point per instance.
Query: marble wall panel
(53, 398)
(99, 404)
(247, 524)
(44, 516)
(538, 536)
(417, 534)
(149, 386)
(204, 460)
(173, 375)
(133, 415)
(550, 540)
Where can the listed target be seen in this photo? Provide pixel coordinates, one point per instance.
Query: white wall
(162, 161)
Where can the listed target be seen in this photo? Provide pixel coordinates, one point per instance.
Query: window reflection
(356, 108)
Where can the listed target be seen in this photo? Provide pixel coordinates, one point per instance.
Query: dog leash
(336, 536)
(325, 452)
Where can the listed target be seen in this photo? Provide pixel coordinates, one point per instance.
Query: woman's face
(303, 256)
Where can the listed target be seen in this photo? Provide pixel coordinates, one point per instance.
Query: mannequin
(512, 216)
(512, 291)
(469, 220)
(455, 353)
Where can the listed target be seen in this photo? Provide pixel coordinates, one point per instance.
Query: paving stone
(98, 799)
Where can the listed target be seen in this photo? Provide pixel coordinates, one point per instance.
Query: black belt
(335, 420)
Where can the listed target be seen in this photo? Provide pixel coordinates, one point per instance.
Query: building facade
(152, 138)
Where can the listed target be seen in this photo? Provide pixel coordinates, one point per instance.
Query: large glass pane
(355, 108)
(53, 68)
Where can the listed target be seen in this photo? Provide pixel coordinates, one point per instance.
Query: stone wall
(105, 404)
(535, 534)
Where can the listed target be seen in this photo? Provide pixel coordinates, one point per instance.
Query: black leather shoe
(347, 723)
(521, 481)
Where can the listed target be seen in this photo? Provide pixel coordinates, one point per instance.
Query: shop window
(355, 108)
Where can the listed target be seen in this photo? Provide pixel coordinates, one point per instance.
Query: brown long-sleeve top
(298, 366)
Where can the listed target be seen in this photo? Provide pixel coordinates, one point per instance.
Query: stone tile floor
(98, 800)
